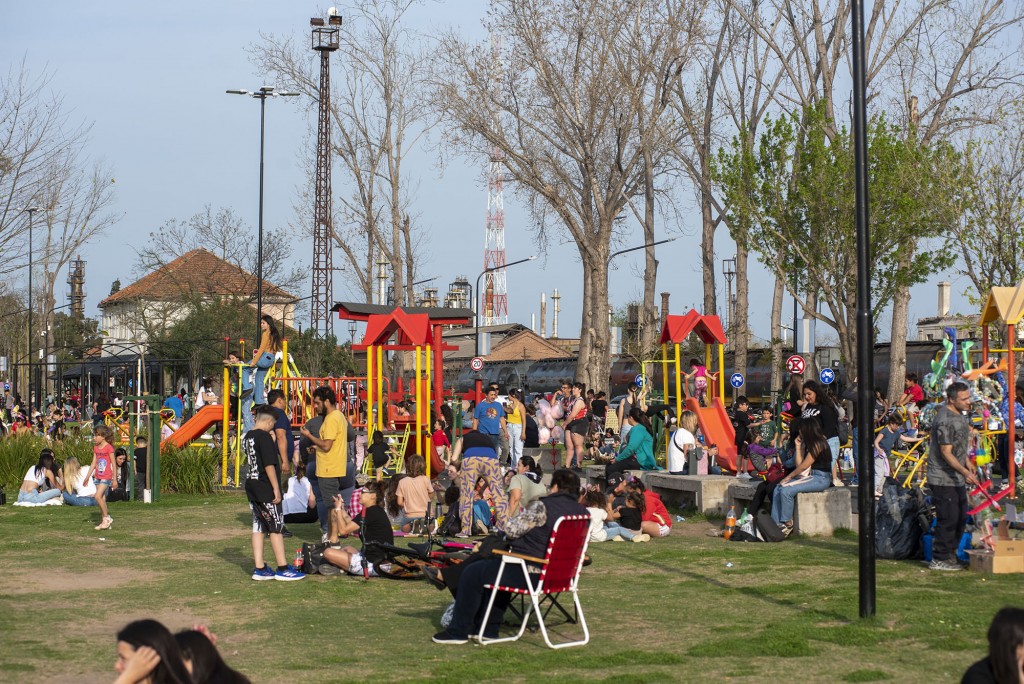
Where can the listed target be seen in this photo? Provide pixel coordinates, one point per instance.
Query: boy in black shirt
(262, 486)
(372, 524)
(141, 454)
(741, 422)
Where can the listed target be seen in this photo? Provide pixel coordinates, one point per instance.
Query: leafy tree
(792, 197)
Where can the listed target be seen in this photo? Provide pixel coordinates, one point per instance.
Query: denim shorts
(101, 482)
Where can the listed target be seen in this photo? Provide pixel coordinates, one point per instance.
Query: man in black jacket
(530, 531)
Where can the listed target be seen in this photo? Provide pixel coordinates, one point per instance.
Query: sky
(151, 80)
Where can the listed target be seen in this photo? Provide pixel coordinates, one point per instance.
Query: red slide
(717, 428)
(195, 426)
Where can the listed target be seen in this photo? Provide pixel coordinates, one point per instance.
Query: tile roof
(196, 272)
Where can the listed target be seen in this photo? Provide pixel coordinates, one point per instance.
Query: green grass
(665, 611)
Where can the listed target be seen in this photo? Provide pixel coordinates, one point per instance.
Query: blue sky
(151, 78)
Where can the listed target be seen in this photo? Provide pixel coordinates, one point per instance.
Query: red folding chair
(560, 572)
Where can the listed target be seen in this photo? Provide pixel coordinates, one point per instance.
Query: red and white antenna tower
(325, 41)
(495, 290)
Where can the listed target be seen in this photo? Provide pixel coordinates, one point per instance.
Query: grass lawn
(670, 610)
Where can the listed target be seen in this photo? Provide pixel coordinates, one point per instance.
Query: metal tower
(495, 290)
(76, 288)
(324, 41)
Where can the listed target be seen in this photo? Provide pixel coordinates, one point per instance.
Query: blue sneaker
(264, 573)
(289, 575)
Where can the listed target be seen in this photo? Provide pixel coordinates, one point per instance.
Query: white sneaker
(640, 538)
(744, 476)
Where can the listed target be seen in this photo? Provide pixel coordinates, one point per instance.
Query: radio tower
(324, 41)
(495, 293)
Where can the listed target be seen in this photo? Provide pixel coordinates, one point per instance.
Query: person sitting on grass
(602, 520)
(638, 452)
(147, 653)
(1005, 660)
(102, 471)
(413, 494)
(373, 527)
(120, 493)
(656, 520)
(483, 506)
(199, 651)
(813, 473)
(263, 489)
(299, 502)
(78, 489)
(40, 482)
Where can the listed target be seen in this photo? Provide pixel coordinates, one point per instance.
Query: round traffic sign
(736, 380)
(795, 364)
(827, 376)
(477, 363)
(639, 380)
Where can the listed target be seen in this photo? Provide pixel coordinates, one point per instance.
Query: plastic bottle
(298, 560)
(744, 517)
(730, 522)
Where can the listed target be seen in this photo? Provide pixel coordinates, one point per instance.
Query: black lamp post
(262, 94)
(476, 306)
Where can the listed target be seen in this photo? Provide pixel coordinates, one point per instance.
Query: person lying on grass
(372, 525)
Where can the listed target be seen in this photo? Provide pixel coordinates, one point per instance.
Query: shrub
(191, 470)
(17, 455)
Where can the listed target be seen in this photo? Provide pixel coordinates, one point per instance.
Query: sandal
(105, 524)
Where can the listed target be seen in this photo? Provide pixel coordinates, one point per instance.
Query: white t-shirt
(597, 518)
(676, 449)
(39, 479)
(296, 499)
(201, 397)
(84, 487)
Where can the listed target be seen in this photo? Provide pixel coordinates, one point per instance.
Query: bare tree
(379, 115)
(565, 126)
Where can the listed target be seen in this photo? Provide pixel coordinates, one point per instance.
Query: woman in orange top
(263, 357)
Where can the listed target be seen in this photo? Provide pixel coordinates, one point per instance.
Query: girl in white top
(681, 442)
(78, 489)
(40, 483)
(298, 503)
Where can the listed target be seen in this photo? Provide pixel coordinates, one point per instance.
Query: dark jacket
(535, 542)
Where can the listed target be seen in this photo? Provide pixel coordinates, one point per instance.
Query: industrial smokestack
(943, 299)
(664, 307)
(554, 319)
(543, 314)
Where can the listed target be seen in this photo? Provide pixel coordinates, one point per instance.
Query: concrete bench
(815, 513)
(705, 493)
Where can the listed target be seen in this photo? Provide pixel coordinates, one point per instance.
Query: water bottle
(730, 522)
(744, 518)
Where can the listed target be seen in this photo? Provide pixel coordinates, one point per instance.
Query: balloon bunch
(547, 415)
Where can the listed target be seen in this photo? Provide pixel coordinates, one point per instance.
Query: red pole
(1011, 390)
(984, 344)
(438, 369)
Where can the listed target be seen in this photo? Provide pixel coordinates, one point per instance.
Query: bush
(19, 453)
(191, 470)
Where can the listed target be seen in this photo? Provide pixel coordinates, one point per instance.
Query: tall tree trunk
(594, 363)
(898, 339)
(739, 319)
(707, 243)
(776, 333)
(649, 314)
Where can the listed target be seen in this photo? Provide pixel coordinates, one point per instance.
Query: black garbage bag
(899, 516)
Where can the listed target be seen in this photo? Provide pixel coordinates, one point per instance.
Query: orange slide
(717, 428)
(195, 426)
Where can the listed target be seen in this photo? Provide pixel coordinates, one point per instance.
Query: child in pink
(102, 471)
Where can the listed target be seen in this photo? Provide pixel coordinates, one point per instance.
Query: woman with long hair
(526, 485)
(682, 441)
(78, 490)
(263, 356)
(638, 451)
(148, 654)
(40, 482)
(203, 660)
(1005, 661)
(813, 473)
(819, 407)
(577, 425)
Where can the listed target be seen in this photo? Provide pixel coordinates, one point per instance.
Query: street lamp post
(476, 306)
(262, 94)
(31, 213)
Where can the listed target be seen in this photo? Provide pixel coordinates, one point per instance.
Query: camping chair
(560, 572)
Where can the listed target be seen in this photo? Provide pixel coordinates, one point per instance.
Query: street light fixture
(262, 94)
(476, 307)
(643, 246)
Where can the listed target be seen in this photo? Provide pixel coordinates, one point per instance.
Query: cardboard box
(1008, 557)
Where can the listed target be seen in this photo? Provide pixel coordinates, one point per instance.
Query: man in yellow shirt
(331, 447)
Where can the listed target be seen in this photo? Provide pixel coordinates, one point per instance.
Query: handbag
(775, 473)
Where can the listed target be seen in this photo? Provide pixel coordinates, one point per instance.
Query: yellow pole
(284, 369)
(381, 399)
(419, 401)
(224, 428)
(721, 372)
(370, 375)
(427, 384)
(675, 369)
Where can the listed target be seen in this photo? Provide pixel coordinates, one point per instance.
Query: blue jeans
(614, 529)
(785, 495)
(259, 389)
(856, 465)
(75, 500)
(482, 513)
(515, 434)
(38, 497)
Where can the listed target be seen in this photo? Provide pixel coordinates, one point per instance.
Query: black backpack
(312, 557)
(766, 526)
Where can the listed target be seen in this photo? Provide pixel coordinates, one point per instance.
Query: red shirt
(655, 506)
(103, 460)
(916, 393)
(440, 439)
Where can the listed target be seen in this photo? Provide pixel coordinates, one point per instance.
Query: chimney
(543, 314)
(664, 307)
(554, 318)
(943, 299)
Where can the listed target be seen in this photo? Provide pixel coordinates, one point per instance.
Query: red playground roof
(678, 328)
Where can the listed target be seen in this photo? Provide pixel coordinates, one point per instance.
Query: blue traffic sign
(736, 380)
(639, 380)
(827, 376)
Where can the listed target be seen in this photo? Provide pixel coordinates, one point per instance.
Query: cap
(615, 479)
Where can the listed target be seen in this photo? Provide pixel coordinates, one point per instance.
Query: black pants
(950, 519)
(309, 516)
(621, 466)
